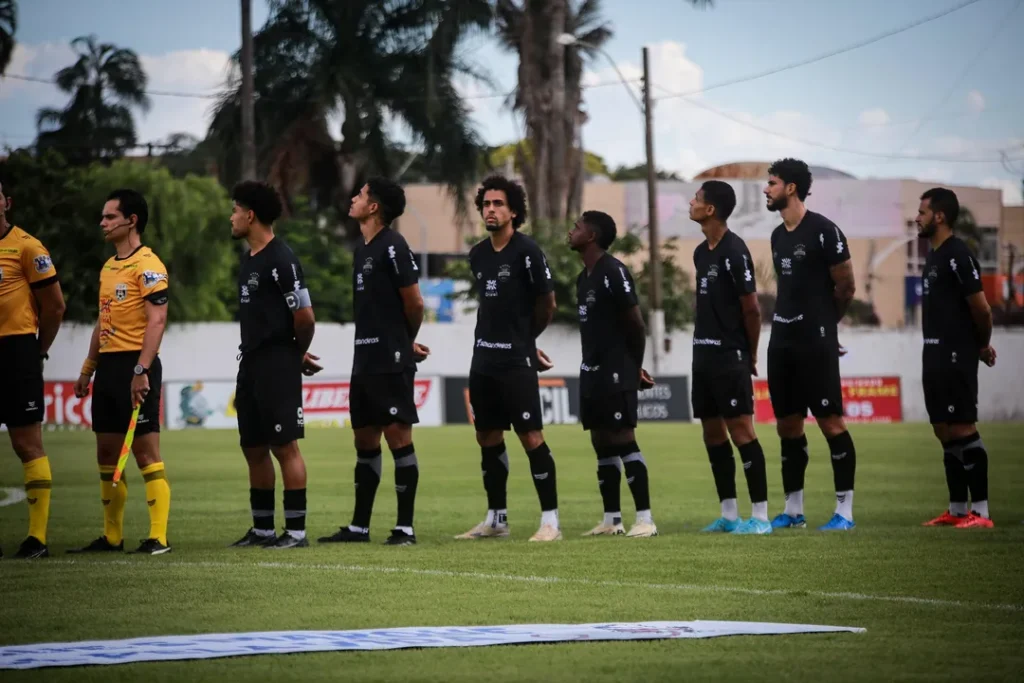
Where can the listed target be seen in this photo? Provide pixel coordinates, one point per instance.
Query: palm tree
(8, 27)
(374, 62)
(104, 83)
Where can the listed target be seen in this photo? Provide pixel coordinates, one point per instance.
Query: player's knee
(27, 444)
(489, 438)
(791, 427)
(832, 426)
(288, 451)
(741, 430)
(398, 435)
(531, 440)
(367, 438)
(961, 430)
(941, 432)
(714, 431)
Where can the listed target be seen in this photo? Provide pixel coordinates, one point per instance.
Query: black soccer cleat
(399, 537)
(100, 545)
(152, 546)
(31, 549)
(345, 535)
(253, 540)
(286, 541)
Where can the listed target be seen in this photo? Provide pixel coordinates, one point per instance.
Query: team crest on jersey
(713, 272)
(591, 298)
(121, 291)
(799, 252)
(254, 282)
(42, 263)
(368, 266)
(359, 282)
(504, 272)
(150, 278)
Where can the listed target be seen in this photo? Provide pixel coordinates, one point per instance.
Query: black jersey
(270, 288)
(951, 274)
(724, 274)
(602, 298)
(380, 269)
(508, 283)
(805, 308)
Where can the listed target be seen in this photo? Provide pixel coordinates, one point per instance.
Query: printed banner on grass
(865, 399)
(212, 646)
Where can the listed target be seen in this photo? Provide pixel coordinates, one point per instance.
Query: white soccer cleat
(485, 530)
(603, 529)
(643, 530)
(547, 533)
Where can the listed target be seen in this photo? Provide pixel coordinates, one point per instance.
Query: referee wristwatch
(139, 370)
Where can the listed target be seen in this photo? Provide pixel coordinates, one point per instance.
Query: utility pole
(248, 122)
(657, 321)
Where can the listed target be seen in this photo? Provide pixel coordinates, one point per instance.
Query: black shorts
(511, 399)
(21, 381)
(268, 397)
(609, 412)
(950, 382)
(381, 400)
(722, 386)
(802, 378)
(112, 395)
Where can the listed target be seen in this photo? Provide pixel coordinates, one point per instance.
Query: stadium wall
(881, 359)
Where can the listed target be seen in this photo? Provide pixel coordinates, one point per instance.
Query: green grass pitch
(938, 604)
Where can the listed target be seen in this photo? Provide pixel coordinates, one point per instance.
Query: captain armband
(298, 300)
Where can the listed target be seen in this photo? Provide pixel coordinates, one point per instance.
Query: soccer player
(957, 327)
(277, 325)
(31, 310)
(516, 303)
(388, 313)
(815, 287)
(123, 352)
(725, 338)
(613, 336)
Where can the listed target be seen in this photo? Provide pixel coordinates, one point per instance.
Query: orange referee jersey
(125, 286)
(25, 265)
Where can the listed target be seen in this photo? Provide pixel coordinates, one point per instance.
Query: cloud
(975, 101)
(36, 61)
(874, 117)
(1011, 187)
(189, 71)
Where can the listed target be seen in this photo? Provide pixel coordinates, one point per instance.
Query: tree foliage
(8, 27)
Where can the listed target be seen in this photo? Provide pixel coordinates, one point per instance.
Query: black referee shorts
(802, 378)
(511, 399)
(268, 397)
(379, 400)
(112, 395)
(950, 382)
(609, 412)
(722, 386)
(21, 381)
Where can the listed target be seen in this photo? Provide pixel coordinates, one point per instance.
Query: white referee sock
(980, 508)
(729, 509)
(644, 517)
(844, 504)
(611, 517)
(795, 503)
(759, 511)
(549, 517)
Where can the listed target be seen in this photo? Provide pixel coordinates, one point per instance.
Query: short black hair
(260, 198)
(720, 195)
(131, 202)
(603, 225)
(513, 192)
(943, 200)
(793, 171)
(389, 195)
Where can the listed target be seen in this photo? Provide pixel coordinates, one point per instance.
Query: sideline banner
(212, 646)
(865, 399)
(211, 405)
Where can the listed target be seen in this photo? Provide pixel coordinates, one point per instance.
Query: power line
(827, 55)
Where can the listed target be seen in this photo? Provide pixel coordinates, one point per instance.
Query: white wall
(208, 351)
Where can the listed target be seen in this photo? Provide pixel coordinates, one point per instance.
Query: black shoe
(345, 535)
(32, 548)
(399, 537)
(253, 540)
(100, 545)
(151, 546)
(286, 541)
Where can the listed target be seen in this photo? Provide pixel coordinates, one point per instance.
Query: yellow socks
(114, 498)
(158, 498)
(37, 488)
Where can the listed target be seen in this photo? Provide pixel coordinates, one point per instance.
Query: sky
(941, 94)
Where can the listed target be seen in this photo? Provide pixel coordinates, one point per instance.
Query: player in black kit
(516, 303)
(277, 325)
(613, 336)
(725, 338)
(815, 287)
(957, 327)
(388, 313)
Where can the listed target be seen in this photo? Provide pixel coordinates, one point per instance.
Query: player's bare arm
(636, 341)
(305, 327)
(412, 308)
(752, 324)
(50, 300)
(543, 312)
(842, 276)
(156, 323)
(981, 312)
(89, 365)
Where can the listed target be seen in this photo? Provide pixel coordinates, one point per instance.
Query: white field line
(680, 587)
(11, 496)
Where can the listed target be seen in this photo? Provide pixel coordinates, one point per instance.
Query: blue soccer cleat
(752, 526)
(784, 521)
(837, 523)
(722, 526)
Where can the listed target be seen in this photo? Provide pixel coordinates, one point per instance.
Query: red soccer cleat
(973, 521)
(946, 519)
